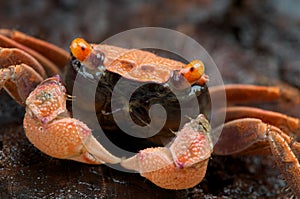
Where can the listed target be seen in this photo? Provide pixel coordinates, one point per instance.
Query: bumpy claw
(48, 126)
(180, 166)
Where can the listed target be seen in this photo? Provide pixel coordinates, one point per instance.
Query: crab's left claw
(180, 166)
(48, 126)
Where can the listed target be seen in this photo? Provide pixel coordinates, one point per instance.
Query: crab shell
(133, 64)
(155, 77)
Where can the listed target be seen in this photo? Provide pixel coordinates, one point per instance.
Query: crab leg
(253, 136)
(14, 56)
(288, 124)
(20, 73)
(240, 93)
(283, 151)
(50, 67)
(181, 165)
(19, 81)
(59, 56)
(296, 147)
(49, 127)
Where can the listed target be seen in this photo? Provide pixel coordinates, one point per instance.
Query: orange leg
(246, 94)
(250, 135)
(50, 67)
(19, 81)
(283, 151)
(59, 56)
(14, 56)
(20, 73)
(296, 146)
(288, 124)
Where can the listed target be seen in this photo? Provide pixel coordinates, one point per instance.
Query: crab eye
(193, 71)
(80, 49)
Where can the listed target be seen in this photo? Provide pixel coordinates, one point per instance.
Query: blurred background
(251, 41)
(250, 36)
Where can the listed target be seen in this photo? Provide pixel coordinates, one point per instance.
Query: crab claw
(180, 166)
(48, 126)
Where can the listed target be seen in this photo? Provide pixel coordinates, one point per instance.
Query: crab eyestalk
(92, 59)
(80, 49)
(192, 73)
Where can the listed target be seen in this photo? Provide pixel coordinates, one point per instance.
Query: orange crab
(26, 63)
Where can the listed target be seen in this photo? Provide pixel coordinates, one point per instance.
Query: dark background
(253, 42)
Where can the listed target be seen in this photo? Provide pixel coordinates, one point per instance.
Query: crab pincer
(182, 164)
(49, 127)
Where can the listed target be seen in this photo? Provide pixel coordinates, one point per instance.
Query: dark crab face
(157, 82)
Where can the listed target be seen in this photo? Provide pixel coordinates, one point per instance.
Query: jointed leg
(252, 136)
(286, 123)
(283, 151)
(19, 81)
(20, 73)
(14, 56)
(49, 66)
(246, 94)
(59, 56)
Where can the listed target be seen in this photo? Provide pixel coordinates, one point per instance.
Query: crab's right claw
(67, 138)
(50, 128)
(180, 166)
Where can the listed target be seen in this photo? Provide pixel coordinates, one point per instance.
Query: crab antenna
(80, 49)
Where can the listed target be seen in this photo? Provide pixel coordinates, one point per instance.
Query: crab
(30, 71)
